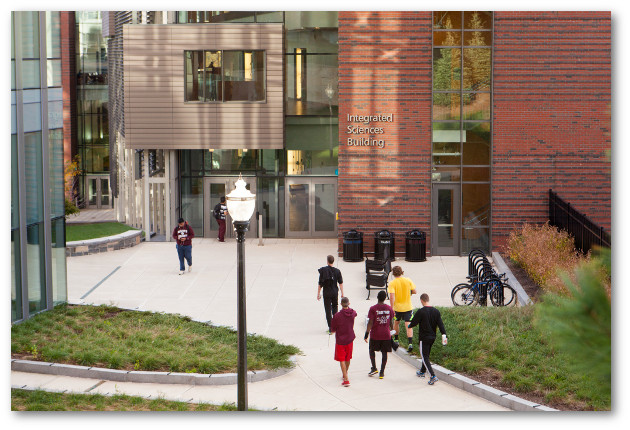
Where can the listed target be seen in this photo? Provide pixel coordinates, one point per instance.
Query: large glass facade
(92, 99)
(38, 261)
(462, 116)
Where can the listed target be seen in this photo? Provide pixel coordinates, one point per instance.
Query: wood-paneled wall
(156, 115)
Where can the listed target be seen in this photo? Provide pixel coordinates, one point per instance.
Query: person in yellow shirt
(400, 291)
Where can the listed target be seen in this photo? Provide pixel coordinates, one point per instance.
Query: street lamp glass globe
(241, 202)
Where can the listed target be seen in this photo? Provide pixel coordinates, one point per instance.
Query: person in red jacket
(183, 235)
(342, 325)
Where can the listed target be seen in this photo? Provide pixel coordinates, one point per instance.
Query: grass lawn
(26, 400)
(109, 337)
(503, 345)
(92, 231)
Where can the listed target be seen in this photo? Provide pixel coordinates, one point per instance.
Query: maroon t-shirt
(342, 325)
(380, 314)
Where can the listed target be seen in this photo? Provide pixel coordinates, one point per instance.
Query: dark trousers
(425, 350)
(184, 251)
(383, 359)
(221, 230)
(330, 307)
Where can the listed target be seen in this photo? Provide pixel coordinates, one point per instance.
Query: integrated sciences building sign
(368, 133)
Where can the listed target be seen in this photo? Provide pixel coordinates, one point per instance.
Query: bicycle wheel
(465, 296)
(458, 286)
(504, 295)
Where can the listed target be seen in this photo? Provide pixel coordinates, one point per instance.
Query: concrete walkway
(92, 215)
(281, 279)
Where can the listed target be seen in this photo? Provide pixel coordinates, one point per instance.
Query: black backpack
(217, 211)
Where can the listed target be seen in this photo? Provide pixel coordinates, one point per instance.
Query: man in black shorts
(379, 326)
(329, 277)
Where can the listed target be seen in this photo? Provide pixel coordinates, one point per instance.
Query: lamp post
(240, 204)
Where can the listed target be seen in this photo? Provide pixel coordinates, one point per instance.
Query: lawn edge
(59, 369)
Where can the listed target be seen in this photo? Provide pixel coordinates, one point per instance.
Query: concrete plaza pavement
(281, 281)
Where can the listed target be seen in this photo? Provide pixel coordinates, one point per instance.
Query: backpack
(217, 211)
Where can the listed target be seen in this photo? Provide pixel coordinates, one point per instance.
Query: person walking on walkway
(183, 235)
(381, 321)
(329, 277)
(427, 318)
(342, 325)
(220, 212)
(400, 291)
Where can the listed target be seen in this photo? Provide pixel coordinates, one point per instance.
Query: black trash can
(415, 245)
(352, 246)
(384, 245)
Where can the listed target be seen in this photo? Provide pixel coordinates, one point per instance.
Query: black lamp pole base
(241, 227)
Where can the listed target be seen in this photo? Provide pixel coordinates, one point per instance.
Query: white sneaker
(182, 272)
(189, 268)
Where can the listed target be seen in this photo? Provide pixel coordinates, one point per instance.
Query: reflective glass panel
(477, 69)
(446, 132)
(310, 19)
(92, 192)
(477, 20)
(447, 38)
(34, 177)
(194, 76)
(311, 84)
(446, 106)
(270, 198)
(477, 139)
(53, 34)
(478, 38)
(36, 267)
(446, 174)
(213, 84)
(15, 213)
(216, 192)
(16, 280)
(475, 204)
(56, 167)
(192, 203)
(30, 74)
(244, 75)
(446, 68)
(298, 207)
(447, 20)
(231, 161)
(325, 207)
(475, 238)
(445, 217)
(104, 191)
(58, 261)
(30, 33)
(476, 174)
(477, 106)
(315, 41)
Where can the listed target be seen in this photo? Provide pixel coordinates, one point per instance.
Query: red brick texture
(385, 68)
(69, 84)
(552, 119)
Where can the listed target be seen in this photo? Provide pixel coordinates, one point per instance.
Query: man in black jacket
(427, 318)
(329, 277)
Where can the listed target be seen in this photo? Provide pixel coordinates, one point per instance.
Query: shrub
(71, 208)
(544, 251)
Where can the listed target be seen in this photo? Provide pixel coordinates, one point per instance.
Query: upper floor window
(224, 76)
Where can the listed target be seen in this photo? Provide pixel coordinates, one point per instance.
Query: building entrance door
(311, 207)
(445, 219)
(98, 195)
(213, 190)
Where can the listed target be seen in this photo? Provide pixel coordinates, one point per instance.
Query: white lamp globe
(241, 202)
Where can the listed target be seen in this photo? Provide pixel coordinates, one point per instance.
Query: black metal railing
(586, 233)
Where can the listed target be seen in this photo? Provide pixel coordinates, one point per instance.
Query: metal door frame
(457, 221)
(311, 182)
(99, 192)
(208, 220)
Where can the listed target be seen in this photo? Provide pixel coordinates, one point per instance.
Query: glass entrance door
(311, 207)
(213, 190)
(97, 192)
(445, 219)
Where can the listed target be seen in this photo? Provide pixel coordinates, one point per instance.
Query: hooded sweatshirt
(186, 232)
(342, 325)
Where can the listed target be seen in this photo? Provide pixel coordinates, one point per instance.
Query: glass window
(475, 238)
(446, 68)
(30, 74)
(477, 20)
(313, 40)
(58, 260)
(55, 149)
(447, 20)
(53, 75)
(477, 69)
(16, 277)
(36, 265)
(311, 84)
(15, 185)
(446, 174)
(477, 106)
(312, 19)
(33, 173)
(270, 17)
(476, 174)
(244, 75)
(447, 38)
(478, 38)
(192, 203)
(476, 143)
(213, 88)
(53, 34)
(30, 34)
(325, 215)
(270, 161)
(270, 198)
(446, 132)
(194, 76)
(446, 106)
(231, 160)
(475, 204)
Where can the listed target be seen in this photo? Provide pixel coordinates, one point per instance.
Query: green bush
(71, 208)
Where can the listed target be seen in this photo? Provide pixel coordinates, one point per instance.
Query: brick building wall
(69, 84)
(552, 94)
(385, 68)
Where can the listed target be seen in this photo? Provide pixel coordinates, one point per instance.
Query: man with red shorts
(342, 325)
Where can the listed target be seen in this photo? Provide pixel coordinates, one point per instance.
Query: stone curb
(143, 376)
(478, 389)
(107, 239)
(502, 267)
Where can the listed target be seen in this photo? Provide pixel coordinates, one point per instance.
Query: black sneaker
(395, 346)
(410, 348)
(373, 372)
(381, 375)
